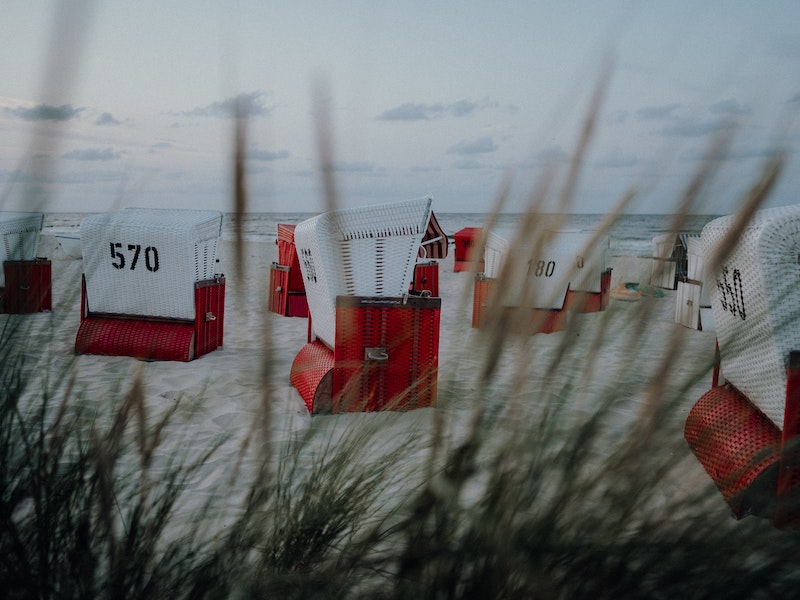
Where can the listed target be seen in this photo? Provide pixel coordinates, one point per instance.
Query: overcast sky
(114, 103)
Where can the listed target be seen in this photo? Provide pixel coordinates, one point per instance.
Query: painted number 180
(118, 258)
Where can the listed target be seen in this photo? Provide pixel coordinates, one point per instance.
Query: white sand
(221, 393)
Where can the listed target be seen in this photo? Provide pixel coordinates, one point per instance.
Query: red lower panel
(738, 446)
(586, 302)
(387, 353)
(28, 287)
(538, 320)
(788, 509)
(147, 340)
(296, 305)
(151, 338)
(426, 278)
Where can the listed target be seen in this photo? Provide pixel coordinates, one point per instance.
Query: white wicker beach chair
(756, 304)
(145, 261)
(744, 431)
(20, 236)
(548, 268)
(150, 290)
(366, 251)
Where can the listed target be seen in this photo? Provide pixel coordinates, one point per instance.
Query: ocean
(631, 235)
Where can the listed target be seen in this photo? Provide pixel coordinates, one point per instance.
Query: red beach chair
(287, 291)
(467, 252)
(25, 280)
(372, 345)
(548, 277)
(744, 431)
(150, 290)
(434, 247)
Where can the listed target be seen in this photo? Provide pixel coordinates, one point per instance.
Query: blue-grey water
(631, 235)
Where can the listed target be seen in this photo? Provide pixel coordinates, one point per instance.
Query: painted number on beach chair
(118, 258)
(732, 295)
(542, 269)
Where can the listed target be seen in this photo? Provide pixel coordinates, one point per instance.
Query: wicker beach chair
(150, 290)
(433, 248)
(693, 306)
(25, 279)
(744, 430)
(468, 255)
(371, 345)
(549, 276)
(287, 291)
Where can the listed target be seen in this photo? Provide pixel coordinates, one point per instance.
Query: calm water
(631, 235)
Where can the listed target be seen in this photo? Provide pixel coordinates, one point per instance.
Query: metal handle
(376, 354)
(210, 317)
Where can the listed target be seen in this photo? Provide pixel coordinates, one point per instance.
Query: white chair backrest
(145, 262)
(756, 304)
(564, 260)
(365, 251)
(20, 237)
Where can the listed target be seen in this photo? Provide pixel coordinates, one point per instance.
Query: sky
(110, 103)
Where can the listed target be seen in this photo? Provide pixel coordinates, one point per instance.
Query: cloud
(360, 166)
(106, 119)
(729, 107)
(267, 154)
(468, 164)
(617, 117)
(251, 105)
(45, 112)
(159, 146)
(480, 146)
(424, 112)
(93, 154)
(616, 159)
(657, 113)
(694, 127)
(794, 100)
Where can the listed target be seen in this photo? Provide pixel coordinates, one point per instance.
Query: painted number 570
(118, 257)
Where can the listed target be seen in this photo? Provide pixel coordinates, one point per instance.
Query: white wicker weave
(546, 268)
(756, 305)
(20, 237)
(365, 251)
(145, 261)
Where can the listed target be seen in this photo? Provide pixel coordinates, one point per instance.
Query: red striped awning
(434, 243)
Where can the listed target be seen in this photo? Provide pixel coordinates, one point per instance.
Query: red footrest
(738, 446)
(312, 374)
(147, 340)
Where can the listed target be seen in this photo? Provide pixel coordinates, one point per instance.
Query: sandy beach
(217, 398)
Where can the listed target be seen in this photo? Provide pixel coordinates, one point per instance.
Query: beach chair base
(283, 299)
(738, 446)
(385, 357)
(541, 320)
(152, 338)
(589, 302)
(755, 465)
(28, 286)
(460, 266)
